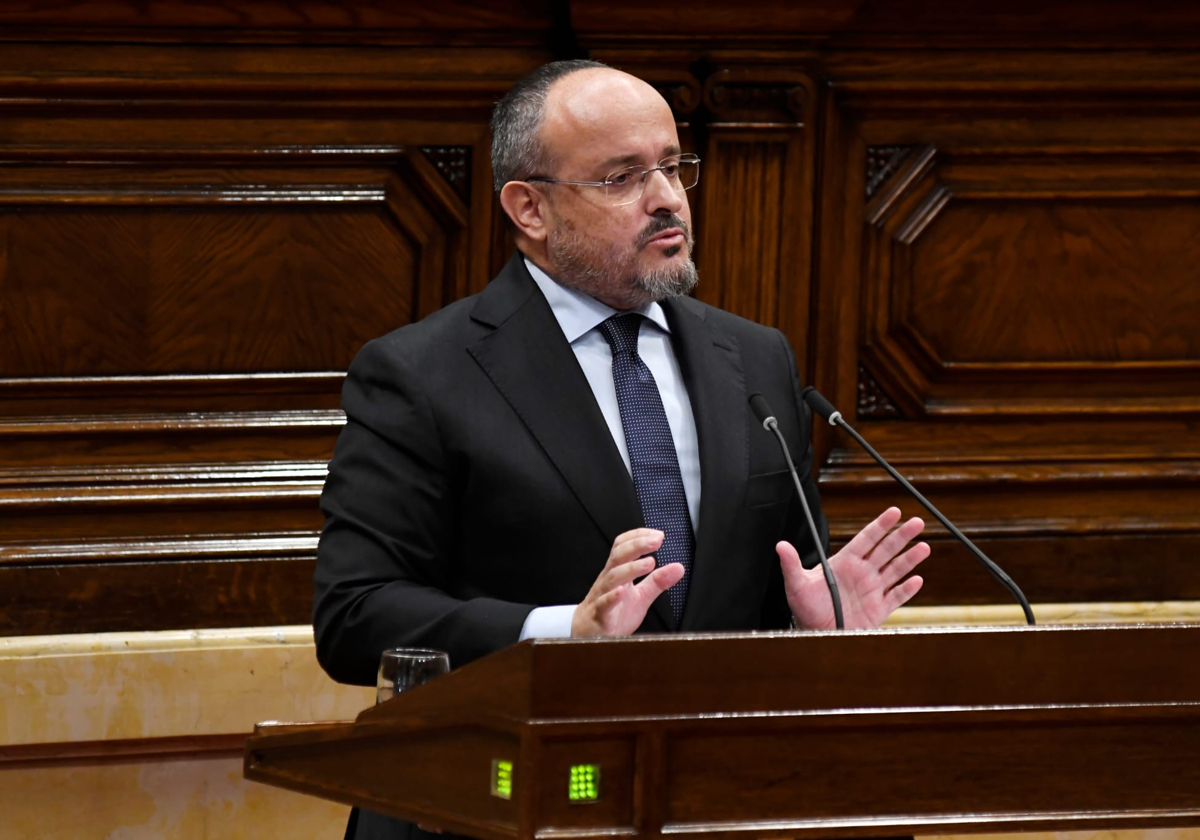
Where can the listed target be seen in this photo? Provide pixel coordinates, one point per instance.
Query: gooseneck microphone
(762, 410)
(825, 408)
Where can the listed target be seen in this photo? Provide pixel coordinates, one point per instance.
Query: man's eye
(621, 179)
(671, 170)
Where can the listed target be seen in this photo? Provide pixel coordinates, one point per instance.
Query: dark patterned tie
(656, 476)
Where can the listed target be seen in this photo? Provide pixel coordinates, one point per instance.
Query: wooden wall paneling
(757, 200)
(166, 272)
(1009, 246)
(456, 22)
(838, 232)
(1066, 528)
(914, 24)
(156, 276)
(1023, 304)
(194, 243)
(240, 589)
(1000, 228)
(486, 227)
(903, 207)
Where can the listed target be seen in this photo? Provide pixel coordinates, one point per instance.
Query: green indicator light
(502, 778)
(584, 783)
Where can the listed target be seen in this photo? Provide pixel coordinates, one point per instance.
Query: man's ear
(525, 207)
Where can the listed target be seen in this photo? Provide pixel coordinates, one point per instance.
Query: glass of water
(403, 668)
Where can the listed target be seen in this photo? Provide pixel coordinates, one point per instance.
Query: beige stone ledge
(130, 686)
(141, 734)
(156, 641)
(1133, 612)
(197, 798)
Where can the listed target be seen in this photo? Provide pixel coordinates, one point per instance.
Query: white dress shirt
(579, 315)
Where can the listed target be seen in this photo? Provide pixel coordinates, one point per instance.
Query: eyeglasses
(625, 186)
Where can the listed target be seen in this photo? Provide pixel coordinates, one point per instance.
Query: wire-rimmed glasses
(625, 186)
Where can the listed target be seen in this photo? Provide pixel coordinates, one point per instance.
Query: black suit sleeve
(385, 574)
(804, 541)
(776, 613)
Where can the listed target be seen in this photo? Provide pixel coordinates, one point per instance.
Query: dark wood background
(980, 231)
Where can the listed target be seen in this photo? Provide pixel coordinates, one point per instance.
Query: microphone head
(761, 408)
(820, 405)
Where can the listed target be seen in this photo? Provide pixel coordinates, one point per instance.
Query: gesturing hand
(868, 573)
(616, 605)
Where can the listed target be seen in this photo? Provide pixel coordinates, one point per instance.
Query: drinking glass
(403, 668)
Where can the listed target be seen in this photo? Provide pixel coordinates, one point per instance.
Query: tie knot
(621, 332)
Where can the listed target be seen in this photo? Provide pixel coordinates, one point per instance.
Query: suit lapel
(712, 371)
(531, 364)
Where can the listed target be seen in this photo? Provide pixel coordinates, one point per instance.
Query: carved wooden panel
(1013, 279)
(1024, 284)
(191, 253)
(1020, 272)
(873, 402)
(746, 256)
(194, 271)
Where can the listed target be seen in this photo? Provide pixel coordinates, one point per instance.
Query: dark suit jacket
(476, 479)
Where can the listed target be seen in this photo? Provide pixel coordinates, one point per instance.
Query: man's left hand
(870, 573)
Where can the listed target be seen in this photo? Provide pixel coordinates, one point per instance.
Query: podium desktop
(912, 731)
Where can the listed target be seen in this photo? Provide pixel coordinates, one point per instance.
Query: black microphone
(825, 408)
(762, 410)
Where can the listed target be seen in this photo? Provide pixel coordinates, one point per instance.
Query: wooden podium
(780, 734)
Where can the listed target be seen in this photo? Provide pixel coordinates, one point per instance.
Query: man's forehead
(588, 94)
(604, 109)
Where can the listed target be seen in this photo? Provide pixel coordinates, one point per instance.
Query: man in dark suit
(571, 451)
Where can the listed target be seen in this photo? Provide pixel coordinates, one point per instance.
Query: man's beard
(616, 278)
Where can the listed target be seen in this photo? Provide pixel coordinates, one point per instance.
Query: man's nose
(660, 196)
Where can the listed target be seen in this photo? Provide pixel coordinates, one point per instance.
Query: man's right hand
(616, 605)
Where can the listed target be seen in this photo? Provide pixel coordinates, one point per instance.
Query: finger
(900, 594)
(635, 534)
(627, 572)
(662, 579)
(869, 537)
(894, 543)
(903, 564)
(789, 559)
(634, 547)
(604, 604)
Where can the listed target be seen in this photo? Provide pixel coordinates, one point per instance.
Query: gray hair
(517, 150)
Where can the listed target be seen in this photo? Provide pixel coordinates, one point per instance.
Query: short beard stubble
(616, 278)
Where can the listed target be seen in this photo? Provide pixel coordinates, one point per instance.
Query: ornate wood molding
(873, 401)
(966, 208)
(681, 90)
(454, 163)
(670, 73)
(752, 96)
(698, 93)
(882, 163)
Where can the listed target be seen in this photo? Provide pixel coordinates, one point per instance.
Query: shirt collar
(578, 313)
